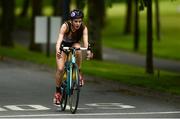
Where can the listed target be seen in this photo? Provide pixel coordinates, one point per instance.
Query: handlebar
(71, 48)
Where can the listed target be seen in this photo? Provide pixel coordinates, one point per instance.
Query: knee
(78, 53)
(60, 70)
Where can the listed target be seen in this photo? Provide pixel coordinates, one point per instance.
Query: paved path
(139, 60)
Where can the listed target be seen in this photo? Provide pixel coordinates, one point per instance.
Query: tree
(102, 15)
(36, 11)
(58, 7)
(25, 8)
(0, 20)
(7, 23)
(149, 35)
(128, 18)
(96, 9)
(136, 26)
(80, 4)
(149, 52)
(66, 9)
(157, 20)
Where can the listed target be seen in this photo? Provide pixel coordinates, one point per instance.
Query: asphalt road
(26, 91)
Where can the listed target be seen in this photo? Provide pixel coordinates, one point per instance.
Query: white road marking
(26, 107)
(14, 107)
(31, 107)
(127, 106)
(2, 109)
(68, 108)
(110, 106)
(91, 114)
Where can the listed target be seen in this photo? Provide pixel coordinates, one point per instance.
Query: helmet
(75, 14)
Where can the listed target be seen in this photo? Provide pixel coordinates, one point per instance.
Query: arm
(86, 43)
(60, 37)
(85, 37)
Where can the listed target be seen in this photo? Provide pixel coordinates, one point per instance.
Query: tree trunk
(157, 20)
(95, 10)
(149, 54)
(58, 7)
(102, 14)
(7, 23)
(66, 9)
(80, 4)
(136, 27)
(36, 9)
(128, 20)
(25, 8)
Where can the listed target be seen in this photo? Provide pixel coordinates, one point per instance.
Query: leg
(59, 75)
(79, 61)
(78, 55)
(60, 69)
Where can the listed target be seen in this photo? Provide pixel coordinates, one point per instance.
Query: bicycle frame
(71, 83)
(71, 59)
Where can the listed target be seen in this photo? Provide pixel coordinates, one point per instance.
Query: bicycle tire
(64, 94)
(75, 89)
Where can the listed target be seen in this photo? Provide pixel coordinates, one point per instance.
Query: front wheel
(75, 89)
(64, 94)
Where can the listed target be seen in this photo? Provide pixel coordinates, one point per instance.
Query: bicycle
(70, 87)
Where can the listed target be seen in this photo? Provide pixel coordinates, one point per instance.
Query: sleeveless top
(73, 37)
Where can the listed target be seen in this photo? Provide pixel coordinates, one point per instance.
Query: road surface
(26, 91)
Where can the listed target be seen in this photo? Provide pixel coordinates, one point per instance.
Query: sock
(58, 89)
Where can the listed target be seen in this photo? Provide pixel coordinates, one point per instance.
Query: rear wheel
(75, 90)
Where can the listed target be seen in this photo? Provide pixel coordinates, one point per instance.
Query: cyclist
(70, 35)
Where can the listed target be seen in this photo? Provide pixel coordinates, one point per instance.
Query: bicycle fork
(70, 73)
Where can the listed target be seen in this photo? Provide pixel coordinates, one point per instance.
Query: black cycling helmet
(76, 14)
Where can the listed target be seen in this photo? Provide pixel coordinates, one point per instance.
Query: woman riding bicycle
(70, 35)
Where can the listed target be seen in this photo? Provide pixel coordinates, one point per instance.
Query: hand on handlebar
(59, 54)
(89, 55)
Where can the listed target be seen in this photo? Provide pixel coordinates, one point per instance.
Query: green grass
(22, 53)
(125, 74)
(170, 28)
(134, 76)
